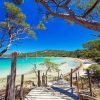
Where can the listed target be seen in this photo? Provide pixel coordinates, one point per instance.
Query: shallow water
(25, 64)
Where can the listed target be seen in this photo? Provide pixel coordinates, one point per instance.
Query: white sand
(85, 65)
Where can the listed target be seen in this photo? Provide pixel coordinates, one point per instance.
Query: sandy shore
(84, 64)
(31, 76)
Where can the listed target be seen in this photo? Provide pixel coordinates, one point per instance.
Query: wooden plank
(21, 87)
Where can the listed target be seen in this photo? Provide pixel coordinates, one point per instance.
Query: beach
(85, 64)
(31, 76)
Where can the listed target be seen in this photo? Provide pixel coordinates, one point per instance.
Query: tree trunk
(5, 50)
(9, 42)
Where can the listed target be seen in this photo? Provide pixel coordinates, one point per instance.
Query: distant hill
(45, 53)
(61, 53)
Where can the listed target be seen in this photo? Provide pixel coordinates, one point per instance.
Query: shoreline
(81, 69)
(28, 65)
(77, 69)
(30, 76)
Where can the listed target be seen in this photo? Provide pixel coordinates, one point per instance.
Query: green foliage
(84, 5)
(94, 67)
(20, 17)
(3, 25)
(92, 45)
(87, 53)
(14, 13)
(11, 9)
(15, 18)
(50, 66)
(13, 28)
(95, 70)
(41, 26)
(70, 22)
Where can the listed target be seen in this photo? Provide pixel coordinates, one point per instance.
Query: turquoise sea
(26, 64)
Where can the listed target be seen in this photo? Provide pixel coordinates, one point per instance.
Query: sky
(59, 35)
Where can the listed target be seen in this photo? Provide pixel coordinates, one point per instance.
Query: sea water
(26, 64)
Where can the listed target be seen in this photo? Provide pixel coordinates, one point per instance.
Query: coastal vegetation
(91, 50)
(50, 66)
(94, 70)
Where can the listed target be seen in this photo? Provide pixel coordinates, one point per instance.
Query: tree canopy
(50, 66)
(93, 45)
(83, 12)
(95, 70)
(13, 28)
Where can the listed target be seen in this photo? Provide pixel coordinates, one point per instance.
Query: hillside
(45, 53)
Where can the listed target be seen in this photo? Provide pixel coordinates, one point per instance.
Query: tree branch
(8, 46)
(94, 25)
(89, 10)
(66, 3)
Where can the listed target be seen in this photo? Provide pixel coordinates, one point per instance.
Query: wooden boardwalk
(41, 93)
(52, 93)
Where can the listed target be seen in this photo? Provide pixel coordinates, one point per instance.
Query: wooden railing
(11, 90)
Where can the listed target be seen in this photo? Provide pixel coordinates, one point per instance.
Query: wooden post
(82, 85)
(58, 74)
(13, 76)
(46, 81)
(21, 87)
(78, 75)
(71, 78)
(39, 81)
(77, 83)
(43, 80)
(80, 97)
(54, 78)
(89, 80)
(8, 88)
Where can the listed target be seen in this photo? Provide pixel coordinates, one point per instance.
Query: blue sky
(58, 36)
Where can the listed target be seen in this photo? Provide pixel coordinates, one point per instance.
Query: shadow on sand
(66, 92)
